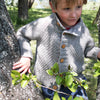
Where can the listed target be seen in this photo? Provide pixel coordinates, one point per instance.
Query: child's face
(67, 13)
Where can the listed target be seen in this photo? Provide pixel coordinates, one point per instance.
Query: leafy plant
(96, 67)
(23, 80)
(68, 79)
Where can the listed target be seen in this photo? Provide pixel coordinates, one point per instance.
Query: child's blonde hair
(54, 2)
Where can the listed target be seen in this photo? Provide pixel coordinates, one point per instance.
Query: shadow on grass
(33, 14)
(92, 81)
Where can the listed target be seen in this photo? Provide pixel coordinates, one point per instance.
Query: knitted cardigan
(56, 44)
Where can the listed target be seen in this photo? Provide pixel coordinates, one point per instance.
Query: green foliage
(97, 69)
(47, 99)
(16, 77)
(63, 98)
(22, 79)
(56, 96)
(67, 79)
(70, 98)
(33, 14)
(76, 98)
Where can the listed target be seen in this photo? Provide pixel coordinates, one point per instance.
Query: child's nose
(73, 14)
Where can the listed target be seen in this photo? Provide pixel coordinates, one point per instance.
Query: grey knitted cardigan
(56, 44)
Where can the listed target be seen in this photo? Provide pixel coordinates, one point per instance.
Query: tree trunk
(10, 53)
(30, 3)
(23, 9)
(98, 84)
(97, 20)
(98, 89)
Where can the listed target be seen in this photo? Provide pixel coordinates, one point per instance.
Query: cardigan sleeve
(25, 47)
(32, 31)
(24, 35)
(91, 50)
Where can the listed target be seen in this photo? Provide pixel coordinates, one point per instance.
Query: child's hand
(23, 65)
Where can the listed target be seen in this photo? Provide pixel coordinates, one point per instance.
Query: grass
(33, 14)
(87, 16)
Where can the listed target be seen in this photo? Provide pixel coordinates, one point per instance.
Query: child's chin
(72, 24)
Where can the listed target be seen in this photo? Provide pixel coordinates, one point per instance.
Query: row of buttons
(63, 46)
(61, 60)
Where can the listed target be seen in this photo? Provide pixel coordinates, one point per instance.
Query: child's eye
(79, 6)
(66, 8)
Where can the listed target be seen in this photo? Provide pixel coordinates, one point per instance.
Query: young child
(61, 37)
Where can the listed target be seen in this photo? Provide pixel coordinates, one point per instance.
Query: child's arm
(24, 35)
(23, 65)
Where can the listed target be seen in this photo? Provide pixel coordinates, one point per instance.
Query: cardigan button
(55, 87)
(63, 46)
(64, 33)
(61, 60)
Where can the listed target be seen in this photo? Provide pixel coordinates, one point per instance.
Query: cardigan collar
(74, 30)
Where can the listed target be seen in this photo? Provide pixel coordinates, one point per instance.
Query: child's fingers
(29, 71)
(16, 66)
(17, 63)
(24, 71)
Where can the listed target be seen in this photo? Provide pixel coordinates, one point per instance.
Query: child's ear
(52, 8)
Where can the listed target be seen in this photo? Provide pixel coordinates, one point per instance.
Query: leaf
(74, 73)
(68, 80)
(30, 75)
(59, 79)
(38, 85)
(15, 74)
(78, 98)
(25, 77)
(55, 68)
(15, 82)
(50, 72)
(70, 98)
(56, 96)
(73, 88)
(34, 78)
(86, 86)
(63, 98)
(96, 74)
(24, 83)
(97, 65)
(47, 99)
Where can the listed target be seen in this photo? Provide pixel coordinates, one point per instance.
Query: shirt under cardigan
(56, 44)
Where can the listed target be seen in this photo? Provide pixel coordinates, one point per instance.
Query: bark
(23, 9)
(30, 3)
(97, 21)
(98, 89)
(98, 84)
(97, 18)
(10, 53)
